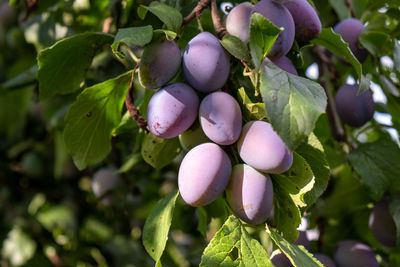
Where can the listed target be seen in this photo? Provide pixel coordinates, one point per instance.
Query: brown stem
(219, 29)
(333, 117)
(201, 5)
(350, 8)
(130, 104)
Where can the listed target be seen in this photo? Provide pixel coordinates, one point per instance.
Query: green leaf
(262, 37)
(159, 152)
(334, 43)
(340, 8)
(139, 36)
(233, 246)
(203, 221)
(92, 118)
(60, 218)
(293, 104)
(236, 47)
(23, 79)
(289, 192)
(396, 55)
(18, 247)
(156, 227)
(373, 41)
(251, 110)
(170, 35)
(170, 16)
(377, 164)
(297, 255)
(394, 207)
(313, 153)
(63, 66)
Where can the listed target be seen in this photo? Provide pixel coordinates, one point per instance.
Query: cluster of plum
(206, 169)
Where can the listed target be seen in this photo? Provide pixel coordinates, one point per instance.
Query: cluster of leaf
(77, 118)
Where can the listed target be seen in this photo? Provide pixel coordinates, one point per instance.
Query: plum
(350, 30)
(352, 109)
(104, 180)
(261, 147)
(280, 16)
(172, 110)
(306, 20)
(204, 174)
(159, 63)
(238, 21)
(325, 260)
(221, 118)
(352, 253)
(382, 224)
(250, 194)
(205, 63)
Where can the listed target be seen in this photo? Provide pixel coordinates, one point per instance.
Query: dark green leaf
(63, 66)
(139, 36)
(314, 154)
(394, 207)
(170, 16)
(236, 47)
(340, 7)
(156, 227)
(334, 43)
(293, 104)
(159, 152)
(373, 41)
(297, 255)
(262, 37)
(233, 246)
(25, 78)
(92, 118)
(289, 194)
(203, 221)
(377, 164)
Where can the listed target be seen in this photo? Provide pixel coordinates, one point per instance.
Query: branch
(219, 29)
(201, 5)
(130, 104)
(334, 121)
(350, 8)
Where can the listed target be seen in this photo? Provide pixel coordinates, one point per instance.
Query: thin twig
(219, 29)
(201, 5)
(130, 104)
(350, 8)
(107, 24)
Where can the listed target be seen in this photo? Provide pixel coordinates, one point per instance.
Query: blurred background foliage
(49, 214)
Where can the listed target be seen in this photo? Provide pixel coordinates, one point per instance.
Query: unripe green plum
(250, 194)
(192, 137)
(354, 110)
(238, 21)
(306, 20)
(159, 63)
(382, 224)
(351, 253)
(204, 174)
(104, 180)
(261, 147)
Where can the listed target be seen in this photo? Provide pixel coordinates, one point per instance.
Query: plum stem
(350, 8)
(201, 5)
(130, 104)
(219, 29)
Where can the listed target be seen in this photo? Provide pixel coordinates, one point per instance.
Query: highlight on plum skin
(172, 110)
(221, 118)
(350, 30)
(159, 63)
(352, 253)
(306, 20)
(280, 16)
(352, 109)
(238, 21)
(283, 62)
(204, 174)
(205, 63)
(261, 147)
(382, 224)
(250, 194)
